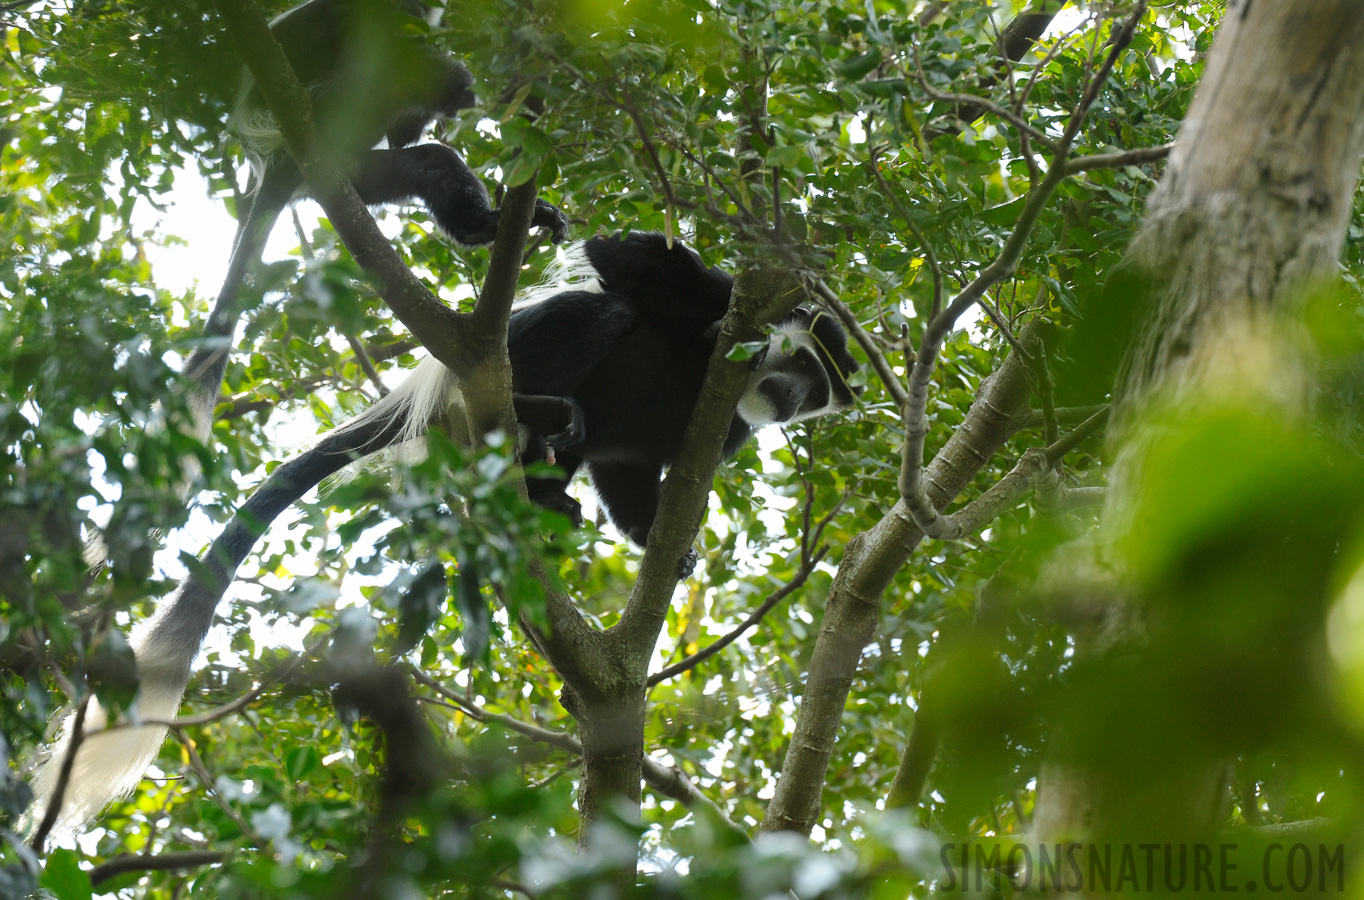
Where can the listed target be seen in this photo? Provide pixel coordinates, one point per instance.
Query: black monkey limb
(395, 86)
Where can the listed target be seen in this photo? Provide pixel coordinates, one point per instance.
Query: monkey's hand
(550, 216)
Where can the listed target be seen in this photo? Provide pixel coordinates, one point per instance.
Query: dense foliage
(845, 141)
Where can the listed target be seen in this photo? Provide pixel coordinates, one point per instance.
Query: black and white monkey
(371, 78)
(605, 373)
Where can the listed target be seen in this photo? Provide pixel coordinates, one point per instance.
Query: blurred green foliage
(1247, 541)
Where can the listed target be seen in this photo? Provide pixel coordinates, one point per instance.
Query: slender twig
(1041, 65)
(1004, 328)
(878, 360)
(222, 712)
(1058, 449)
(983, 103)
(155, 862)
(515, 887)
(1046, 393)
(54, 804)
(278, 674)
(366, 365)
(752, 619)
(669, 196)
(1065, 415)
(1117, 160)
(746, 214)
(252, 401)
(63, 683)
(196, 762)
(929, 256)
(534, 732)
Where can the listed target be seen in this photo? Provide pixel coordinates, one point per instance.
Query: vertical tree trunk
(854, 603)
(1251, 211)
(1255, 201)
(613, 758)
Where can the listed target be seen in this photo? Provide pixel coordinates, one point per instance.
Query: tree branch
(753, 619)
(206, 778)
(472, 346)
(159, 862)
(761, 295)
(1119, 159)
(54, 804)
(925, 514)
(439, 328)
(669, 781)
(853, 607)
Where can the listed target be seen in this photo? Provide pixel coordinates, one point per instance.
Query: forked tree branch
(925, 514)
(669, 781)
(473, 346)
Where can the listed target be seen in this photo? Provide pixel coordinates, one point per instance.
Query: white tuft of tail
(570, 271)
(429, 393)
(110, 763)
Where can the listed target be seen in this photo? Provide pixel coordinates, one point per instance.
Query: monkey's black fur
(633, 357)
(607, 378)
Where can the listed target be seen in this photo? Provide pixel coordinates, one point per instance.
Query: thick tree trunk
(1250, 213)
(1255, 201)
(613, 758)
(854, 603)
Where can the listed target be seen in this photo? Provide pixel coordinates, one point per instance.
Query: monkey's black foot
(549, 216)
(560, 502)
(687, 564)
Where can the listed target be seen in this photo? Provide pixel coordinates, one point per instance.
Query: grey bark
(854, 602)
(1250, 213)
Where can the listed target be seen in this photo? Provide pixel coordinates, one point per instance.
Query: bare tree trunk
(1255, 201)
(1250, 213)
(854, 604)
(613, 758)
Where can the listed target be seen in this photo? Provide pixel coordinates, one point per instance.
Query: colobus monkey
(605, 375)
(370, 79)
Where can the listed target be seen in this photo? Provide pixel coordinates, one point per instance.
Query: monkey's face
(789, 384)
(803, 372)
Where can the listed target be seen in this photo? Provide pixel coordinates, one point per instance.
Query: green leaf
(63, 876)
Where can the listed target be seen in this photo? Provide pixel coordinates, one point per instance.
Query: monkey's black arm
(440, 178)
(630, 494)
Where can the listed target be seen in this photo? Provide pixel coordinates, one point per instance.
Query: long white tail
(110, 763)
